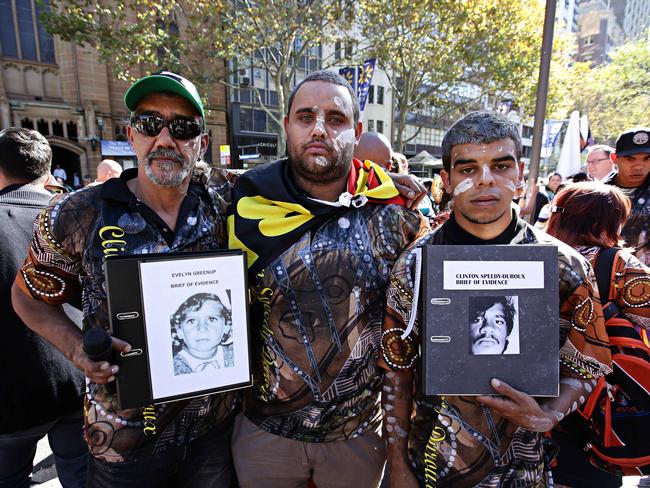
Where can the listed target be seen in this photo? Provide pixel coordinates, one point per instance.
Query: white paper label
(493, 275)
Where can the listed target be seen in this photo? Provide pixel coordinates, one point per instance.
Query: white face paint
(511, 186)
(344, 145)
(463, 186)
(321, 161)
(320, 124)
(338, 102)
(486, 172)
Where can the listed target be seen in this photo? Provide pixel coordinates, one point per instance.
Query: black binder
(455, 361)
(128, 320)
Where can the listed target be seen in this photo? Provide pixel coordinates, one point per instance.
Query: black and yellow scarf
(269, 213)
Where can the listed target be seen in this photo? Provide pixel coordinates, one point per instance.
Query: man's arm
(585, 349)
(50, 322)
(539, 416)
(397, 403)
(409, 188)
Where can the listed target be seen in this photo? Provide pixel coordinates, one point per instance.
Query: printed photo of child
(201, 335)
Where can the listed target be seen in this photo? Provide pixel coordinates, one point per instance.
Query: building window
(27, 124)
(380, 95)
(72, 131)
(43, 127)
(380, 126)
(371, 125)
(57, 128)
(371, 94)
(45, 39)
(252, 120)
(26, 30)
(7, 33)
(588, 41)
(348, 49)
(337, 51)
(34, 42)
(259, 121)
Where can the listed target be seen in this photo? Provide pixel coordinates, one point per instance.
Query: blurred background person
(589, 217)
(554, 181)
(41, 392)
(632, 158)
(599, 164)
(76, 181)
(375, 147)
(108, 169)
(59, 172)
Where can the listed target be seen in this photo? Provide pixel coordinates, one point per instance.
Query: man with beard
(165, 205)
(322, 231)
(487, 441)
(632, 156)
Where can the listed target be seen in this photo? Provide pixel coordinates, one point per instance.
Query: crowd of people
(330, 236)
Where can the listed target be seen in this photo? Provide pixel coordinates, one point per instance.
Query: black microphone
(98, 345)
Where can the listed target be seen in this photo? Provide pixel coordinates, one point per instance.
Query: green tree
(452, 54)
(615, 96)
(280, 37)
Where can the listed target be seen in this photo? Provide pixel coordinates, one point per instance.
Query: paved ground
(45, 474)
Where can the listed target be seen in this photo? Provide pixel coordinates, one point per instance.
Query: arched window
(43, 127)
(27, 123)
(72, 131)
(34, 42)
(57, 128)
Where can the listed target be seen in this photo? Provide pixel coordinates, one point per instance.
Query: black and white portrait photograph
(196, 323)
(493, 325)
(201, 330)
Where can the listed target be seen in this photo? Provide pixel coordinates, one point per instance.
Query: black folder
(453, 363)
(128, 320)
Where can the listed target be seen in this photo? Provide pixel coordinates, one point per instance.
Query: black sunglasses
(179, 128)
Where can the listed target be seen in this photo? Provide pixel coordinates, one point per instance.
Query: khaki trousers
(264, 460)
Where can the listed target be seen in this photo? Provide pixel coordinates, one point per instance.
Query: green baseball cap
(164, 81)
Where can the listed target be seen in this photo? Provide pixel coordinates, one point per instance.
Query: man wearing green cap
(168, 204)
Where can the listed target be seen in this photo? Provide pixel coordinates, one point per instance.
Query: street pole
(540, 103)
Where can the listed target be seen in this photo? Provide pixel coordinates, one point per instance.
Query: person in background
(59, 172)
(551, 187)
(578, 177)
(106, 170)
(41, 392)
(589, 217)
(76, 182)
(632, 157)
(545, 213)
(375, 147)
(532, 204)
(599, 164)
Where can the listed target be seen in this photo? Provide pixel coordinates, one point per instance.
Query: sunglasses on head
(179, 128)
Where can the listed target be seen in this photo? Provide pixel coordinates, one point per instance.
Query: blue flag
(360, 78)
(350, 74)
(365, 78)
